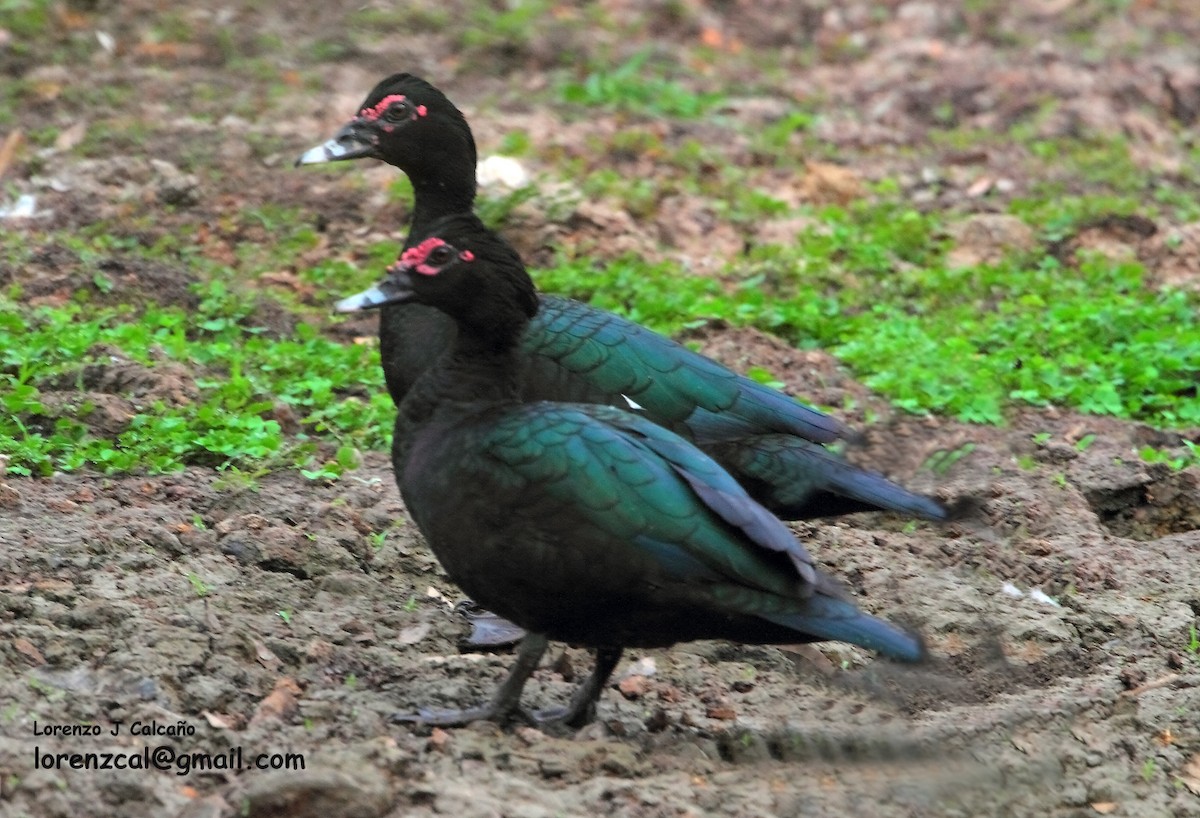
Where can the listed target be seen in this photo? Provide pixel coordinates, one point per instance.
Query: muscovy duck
(573, 352)
(581, 522)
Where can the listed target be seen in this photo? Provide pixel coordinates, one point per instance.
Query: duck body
(582, 522)
(612, 511)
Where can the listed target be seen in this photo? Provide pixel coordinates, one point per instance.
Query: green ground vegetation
(868, 282)
(243, 374)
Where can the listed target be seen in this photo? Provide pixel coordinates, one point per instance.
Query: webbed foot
(503, 706)
(581, 710)
(460, 718)
(488, 630)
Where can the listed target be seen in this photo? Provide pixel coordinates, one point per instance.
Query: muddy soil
(269, 617)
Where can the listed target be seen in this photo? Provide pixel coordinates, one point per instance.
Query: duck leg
(582, 707)
(507, 699)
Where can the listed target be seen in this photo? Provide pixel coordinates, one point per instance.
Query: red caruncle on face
(417, 258)
(374, 112)
(379, 108)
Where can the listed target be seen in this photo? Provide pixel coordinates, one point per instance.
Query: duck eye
(440, 254)
(396, 112)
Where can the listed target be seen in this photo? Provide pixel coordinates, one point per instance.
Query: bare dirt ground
(1085, 705)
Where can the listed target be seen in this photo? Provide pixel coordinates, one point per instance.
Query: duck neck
(437, 196)
(406, 328)
(473, 373)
